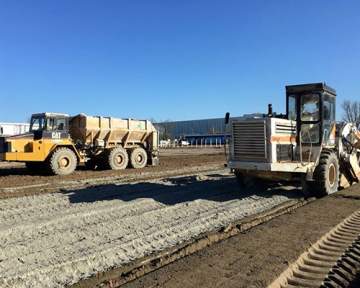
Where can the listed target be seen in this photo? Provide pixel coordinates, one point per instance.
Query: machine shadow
(18, 171)
(172, 191)
(23, 171)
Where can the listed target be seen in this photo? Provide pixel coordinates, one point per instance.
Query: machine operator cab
(50, 125)
(312, 106)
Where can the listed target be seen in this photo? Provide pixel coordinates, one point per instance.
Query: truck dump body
(109, 131)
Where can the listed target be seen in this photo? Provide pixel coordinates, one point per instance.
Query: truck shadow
(172, 191)
(21, 170)
(8, 171)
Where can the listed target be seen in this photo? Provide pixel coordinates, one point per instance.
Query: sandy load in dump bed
(57, 239)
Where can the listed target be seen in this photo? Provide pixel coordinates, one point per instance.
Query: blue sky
(170, 59)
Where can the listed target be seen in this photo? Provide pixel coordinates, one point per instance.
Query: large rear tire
(118, 158)
(327, 174)
(62, 161)
(138, 158)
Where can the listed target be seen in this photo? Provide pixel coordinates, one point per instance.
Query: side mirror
(227, 117)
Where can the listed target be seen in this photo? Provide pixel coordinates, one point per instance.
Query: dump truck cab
(48, 132)
(50, 126)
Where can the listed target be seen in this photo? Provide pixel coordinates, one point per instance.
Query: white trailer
(9, 129)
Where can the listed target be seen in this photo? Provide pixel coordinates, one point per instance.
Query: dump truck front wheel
(118, 158)
(63, 161)
(327, 174)
(138, 158)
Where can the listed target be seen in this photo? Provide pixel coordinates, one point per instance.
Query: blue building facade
(196, 132)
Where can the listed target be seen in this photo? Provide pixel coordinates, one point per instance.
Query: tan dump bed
(92, 129)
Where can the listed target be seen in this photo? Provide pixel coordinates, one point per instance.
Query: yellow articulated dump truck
(59, 143)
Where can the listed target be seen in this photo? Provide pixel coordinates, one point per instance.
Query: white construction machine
(305, 144)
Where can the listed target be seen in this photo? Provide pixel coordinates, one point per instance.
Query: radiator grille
(249, 138)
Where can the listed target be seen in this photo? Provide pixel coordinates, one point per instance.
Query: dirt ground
(58, 239)
(15, 174)
(64, 230)
(256, 258)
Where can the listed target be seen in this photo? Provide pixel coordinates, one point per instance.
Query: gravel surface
(54, 240)
(254, 259)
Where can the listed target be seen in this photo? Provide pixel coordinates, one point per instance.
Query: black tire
(118, 159)
(62, 161)
(327, 174)
(138, 158)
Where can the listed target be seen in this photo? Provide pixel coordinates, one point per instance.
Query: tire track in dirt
(73, 235)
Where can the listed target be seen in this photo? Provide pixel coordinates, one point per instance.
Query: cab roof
(50, 114)
(310, 87)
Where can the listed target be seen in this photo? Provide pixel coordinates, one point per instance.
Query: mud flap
(154, 161)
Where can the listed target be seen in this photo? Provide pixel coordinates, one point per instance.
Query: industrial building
(197, 132)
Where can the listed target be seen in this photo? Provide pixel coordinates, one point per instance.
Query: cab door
(329, 121)
(309, 123)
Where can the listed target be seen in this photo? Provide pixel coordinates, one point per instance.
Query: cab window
(292, 111)
(56, 124)
(37, 123)
(329, 108)
(310, 133)
(310, 107)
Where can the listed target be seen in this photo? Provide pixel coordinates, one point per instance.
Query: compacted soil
(99, 220)
(14, 176)
(256, 258)
(58, 239)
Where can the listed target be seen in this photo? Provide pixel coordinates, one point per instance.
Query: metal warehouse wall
(177, 129)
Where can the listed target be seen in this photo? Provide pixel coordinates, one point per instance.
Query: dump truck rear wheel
(327, 174)
(118, 158)
(63, 161)
(138, 158)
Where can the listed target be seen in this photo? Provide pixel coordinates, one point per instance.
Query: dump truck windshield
(37, 123)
